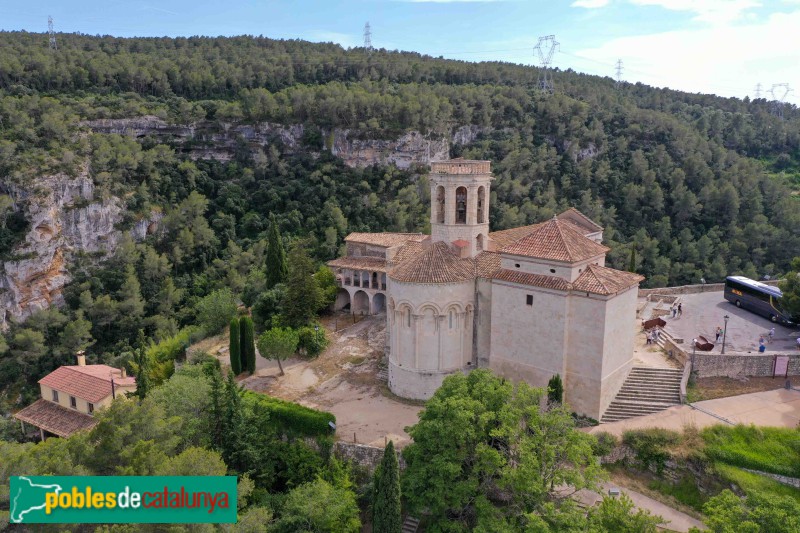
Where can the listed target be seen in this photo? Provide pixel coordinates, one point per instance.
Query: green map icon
(28, 498)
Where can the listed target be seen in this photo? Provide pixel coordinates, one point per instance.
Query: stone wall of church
(586, 331)
(621, 327)
(431, 332)
(482, 337)
(528, 341)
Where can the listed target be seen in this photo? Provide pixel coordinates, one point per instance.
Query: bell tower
(460, 203)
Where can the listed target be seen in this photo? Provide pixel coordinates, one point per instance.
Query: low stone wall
(365, 456)
(735, 365)
(784, 480)
(690, 289)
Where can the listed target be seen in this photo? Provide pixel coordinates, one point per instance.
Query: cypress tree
(248, 347)
(555, 390)
(142, 366)
(235, 348)
(276, 255)
(386, 515)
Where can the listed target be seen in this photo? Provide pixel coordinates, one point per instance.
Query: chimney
(81, 358)
(124, 373)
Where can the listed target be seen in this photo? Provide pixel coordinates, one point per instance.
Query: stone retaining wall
(690, 289)
(736, 365)
(784, 480)
(365, 456)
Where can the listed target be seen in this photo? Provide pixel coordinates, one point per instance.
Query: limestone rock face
(66, 220)
(215, 140)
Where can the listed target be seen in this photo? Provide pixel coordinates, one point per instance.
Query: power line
(51, 33)
(544, 50)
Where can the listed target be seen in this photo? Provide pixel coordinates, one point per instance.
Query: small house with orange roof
(72, 394)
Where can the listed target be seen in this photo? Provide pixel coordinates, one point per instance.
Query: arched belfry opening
(481, 204)
(461, 205)
(440, 197)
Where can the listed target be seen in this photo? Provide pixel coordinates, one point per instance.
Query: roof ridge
(596, 276)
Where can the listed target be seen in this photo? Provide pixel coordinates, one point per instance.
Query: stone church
(528, 302)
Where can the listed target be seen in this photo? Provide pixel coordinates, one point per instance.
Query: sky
(724, 47)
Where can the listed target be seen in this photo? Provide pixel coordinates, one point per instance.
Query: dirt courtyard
(343, 380)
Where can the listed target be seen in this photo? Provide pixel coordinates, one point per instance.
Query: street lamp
(724, 333)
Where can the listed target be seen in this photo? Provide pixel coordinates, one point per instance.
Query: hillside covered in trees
(687, 186)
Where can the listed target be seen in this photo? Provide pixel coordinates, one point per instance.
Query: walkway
(676, 520)
(778, 407)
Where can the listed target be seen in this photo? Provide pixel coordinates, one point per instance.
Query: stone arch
(479, 242)
(481, 204)
(461, 205)
(451, 316)
(378, 303)
(405, 315)
(440, 201)
(360, 305)
(342, 302)
(375, 281)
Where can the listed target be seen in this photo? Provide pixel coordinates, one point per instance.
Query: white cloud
(590, 4)
(726, 60)
(711, 11)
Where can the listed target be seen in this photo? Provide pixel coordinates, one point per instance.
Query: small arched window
(408, 318)
(450, 315)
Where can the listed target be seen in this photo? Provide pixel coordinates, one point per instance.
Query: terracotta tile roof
(486, 264)
(534, 280)
(90, 382)
(54, 418)
(571, 216)
(461, 243)
(581, 220)
(410, 249)
(605, 281)
(373, 264)
(509, 236)
(384, 239)
(558, 241)
(437, 264)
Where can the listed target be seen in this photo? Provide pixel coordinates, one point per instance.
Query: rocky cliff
(65, 220)
(214, 140)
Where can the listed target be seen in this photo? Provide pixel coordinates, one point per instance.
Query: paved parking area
(703, 312)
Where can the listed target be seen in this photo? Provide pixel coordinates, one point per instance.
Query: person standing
(674, 311)
(719, 333)
(772, 334)
(680, 309)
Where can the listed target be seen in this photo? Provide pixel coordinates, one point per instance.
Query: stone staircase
(410, 525)
(646, 390)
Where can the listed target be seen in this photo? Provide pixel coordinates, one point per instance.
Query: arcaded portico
(528, 302)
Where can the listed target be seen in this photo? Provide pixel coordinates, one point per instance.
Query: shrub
(605, 444)
(290, 418)
(312, 341)
(555, 390)
(651, 445)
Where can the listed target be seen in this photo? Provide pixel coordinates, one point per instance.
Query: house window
(55, 396)
(91, 407)
(73, 402)
(529, 299)
(516, 265)
(552, 270)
